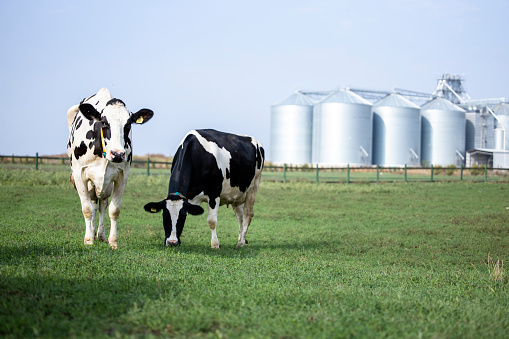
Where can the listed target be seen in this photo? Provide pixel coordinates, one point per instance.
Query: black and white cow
(100, 151)
(216, 167)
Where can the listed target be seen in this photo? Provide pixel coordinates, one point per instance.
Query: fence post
(317, 174)
(348, 173)
(405, 175)
(377, 173)
(461, 173)
(486, 172)
(148, 167)
(431, 172)
(36, 161)
(284, 173)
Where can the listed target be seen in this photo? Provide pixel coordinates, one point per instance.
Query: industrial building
(397, 128)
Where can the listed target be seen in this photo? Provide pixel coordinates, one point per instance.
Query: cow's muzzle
(172, 243)
(117, 156)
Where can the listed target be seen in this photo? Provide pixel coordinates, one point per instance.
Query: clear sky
(221, 64)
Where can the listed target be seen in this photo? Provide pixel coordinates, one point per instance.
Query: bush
(477, 170)
(450, 170)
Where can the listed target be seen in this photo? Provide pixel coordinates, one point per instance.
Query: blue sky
(221, 64)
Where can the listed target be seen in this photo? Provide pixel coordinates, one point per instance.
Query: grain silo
(291, 130)
(342, 130)
(502, 127)
(443, 133)
(479, 128)
(396, 132)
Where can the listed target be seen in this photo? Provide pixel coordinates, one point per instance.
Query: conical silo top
(441, 104)
(502, 109)
(395, 100)
(345, 96)
(297, 98)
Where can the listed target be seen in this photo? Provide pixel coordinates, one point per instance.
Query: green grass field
(323, 261)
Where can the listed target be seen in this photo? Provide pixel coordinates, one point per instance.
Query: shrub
(450, 170)
(477, 169)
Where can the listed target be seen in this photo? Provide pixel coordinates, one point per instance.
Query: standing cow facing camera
(100, 152)
(216, 167)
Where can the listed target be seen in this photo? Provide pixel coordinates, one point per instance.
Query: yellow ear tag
(153, 210)
(139, 120)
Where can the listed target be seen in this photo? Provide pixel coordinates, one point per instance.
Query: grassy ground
(363, 260)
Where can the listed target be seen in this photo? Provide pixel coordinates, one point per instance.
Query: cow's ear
(193, 209)
(154, 207)
(90, 112)
(142, 116)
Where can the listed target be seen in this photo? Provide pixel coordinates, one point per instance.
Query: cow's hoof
(215, 245)
(239, 244)
(89, 241)
(101, 237)
(113, 243)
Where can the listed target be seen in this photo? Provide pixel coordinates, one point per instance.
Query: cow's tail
(71, 114)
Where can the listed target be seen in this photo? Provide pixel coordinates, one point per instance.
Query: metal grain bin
(291, 130)
(342, 130)
(396, 132)
(443, 133)
(502, 124)
(479, 132)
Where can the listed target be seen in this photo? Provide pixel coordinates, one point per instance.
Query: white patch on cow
(221, 154)
(174, 208)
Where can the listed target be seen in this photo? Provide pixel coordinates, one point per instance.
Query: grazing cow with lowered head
(100, 152)
(215, 167)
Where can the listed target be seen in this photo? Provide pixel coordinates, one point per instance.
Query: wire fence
(289, 173)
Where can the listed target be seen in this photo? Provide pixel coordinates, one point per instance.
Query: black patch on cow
(127, 130)
(94, 135)
(81, 150)
(194, 170)
(244, 156)
(106, 128)
(115, 101)
(79, 121)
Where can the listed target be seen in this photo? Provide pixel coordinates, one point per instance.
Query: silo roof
(395, 100)
(442, 104)
(345, 96)
(502, 109)
(297, 98)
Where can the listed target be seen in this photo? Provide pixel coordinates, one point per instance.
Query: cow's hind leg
(247, 213)
(101, 234)
(239, 213)
(212, 220)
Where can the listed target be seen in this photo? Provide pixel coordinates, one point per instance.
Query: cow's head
(175, 208)
(113, 126)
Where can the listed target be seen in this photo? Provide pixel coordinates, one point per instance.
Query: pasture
(323, 261)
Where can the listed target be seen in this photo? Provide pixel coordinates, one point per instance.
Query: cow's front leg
(88, 209)
(101, 235)
(114, 209)
(212, 220)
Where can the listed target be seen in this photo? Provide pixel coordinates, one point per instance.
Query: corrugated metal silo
(443, 133)
(291, 130)
(502, 124)
(479, 129)
(396, 132)
(342, 130)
